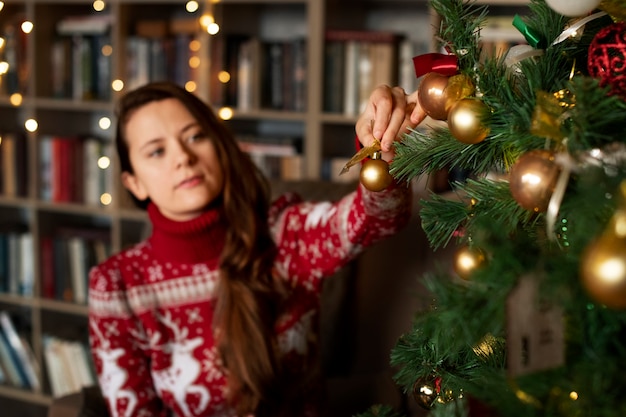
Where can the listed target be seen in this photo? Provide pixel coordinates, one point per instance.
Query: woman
(216, 313)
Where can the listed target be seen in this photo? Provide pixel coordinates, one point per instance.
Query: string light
(207, 20)
(223, 76)
(1, 5)
(31, 125)
(106, 199)
(117, 85)
(16, 99)
(225, 113)
(192, 6)
(27, 26)
(104, 123)
(98, 5)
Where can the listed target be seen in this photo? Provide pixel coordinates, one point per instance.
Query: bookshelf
(50, 199)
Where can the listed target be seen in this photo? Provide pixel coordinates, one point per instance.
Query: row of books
(16, 261)
(14, 54)
(66, 259)
(69, 365)
(282, 160)
(355, 62)
(81, 67)
(74, 169)
(81, 55)
(13, 166)
(269, 74)
(18, 366)
(277, 158)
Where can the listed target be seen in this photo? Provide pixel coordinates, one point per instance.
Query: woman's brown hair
(248, 296)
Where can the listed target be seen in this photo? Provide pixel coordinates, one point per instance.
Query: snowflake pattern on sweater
(151, 305)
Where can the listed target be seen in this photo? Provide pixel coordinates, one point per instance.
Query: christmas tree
(531, 321)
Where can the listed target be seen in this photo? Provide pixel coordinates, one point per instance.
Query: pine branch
(441, 217)
(459, 29)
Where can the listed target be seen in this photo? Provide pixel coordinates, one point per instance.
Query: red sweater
(151, 306)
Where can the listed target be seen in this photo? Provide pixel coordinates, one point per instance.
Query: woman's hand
(389, 113)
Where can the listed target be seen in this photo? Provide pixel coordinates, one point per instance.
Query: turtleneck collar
(192, 241)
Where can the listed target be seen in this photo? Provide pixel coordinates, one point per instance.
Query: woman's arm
(122, 368)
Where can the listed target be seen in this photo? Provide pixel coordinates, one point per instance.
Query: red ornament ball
(606, 59)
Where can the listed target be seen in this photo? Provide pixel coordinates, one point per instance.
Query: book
(4, 263)
(13, 167)
(68, 365)
(20, 352)
(9, 364)
(370, 58)
(91, 24)
(14, 264)
(78, 265)
(334, 74)
(248, 76)
(47, 267)
(299, 75)
(54, 367)
(26, 278)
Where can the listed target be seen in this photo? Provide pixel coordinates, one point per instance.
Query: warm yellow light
(2, 41)
(104, 123)
(195, 45)
(106, 199)
(4, 67)
(106, 50)
(213, 28)
(191, 86)
(98, 5)
(206, 20)
(573, 395)
(16, 99)
(27, 26)
(225, 113)
(117, 85)
(1, 5)
(194, 62)
(223, 76)
(104, 162)
(31, 125)
(192, 6)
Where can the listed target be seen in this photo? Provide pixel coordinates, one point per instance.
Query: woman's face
(174, 161)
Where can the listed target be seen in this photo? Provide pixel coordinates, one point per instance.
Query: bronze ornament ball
(375, 174)
(467, 260)
(425, 392)
(432, 96)
(603, 271)
(466, 120)
(532, 179)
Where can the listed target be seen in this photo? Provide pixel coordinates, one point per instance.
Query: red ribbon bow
(435, 62)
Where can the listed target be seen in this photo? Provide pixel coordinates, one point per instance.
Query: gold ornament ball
(532, 179)
(467, 260)
(432, 96)
(603, 271)
(375, 174)
(425, 392)
(466, 120)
